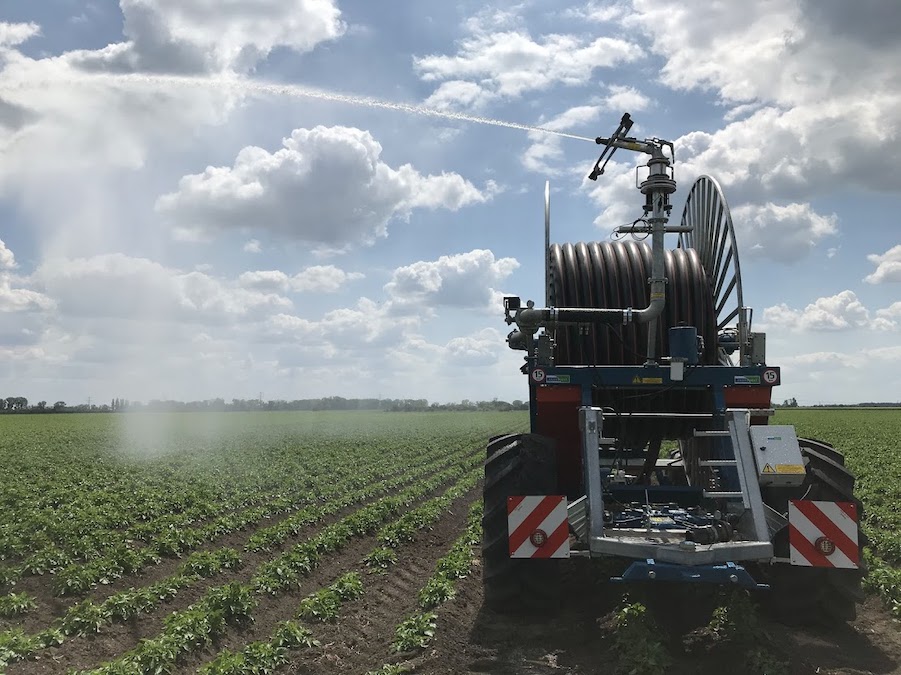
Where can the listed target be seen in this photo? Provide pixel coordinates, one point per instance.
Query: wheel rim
(713, 237)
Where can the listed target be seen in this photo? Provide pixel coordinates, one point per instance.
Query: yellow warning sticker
(790, 468)
(769, 469)
(647, 380)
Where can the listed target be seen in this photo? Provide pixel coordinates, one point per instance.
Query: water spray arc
(249, 86)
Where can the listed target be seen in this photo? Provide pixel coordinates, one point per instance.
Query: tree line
(19, 404)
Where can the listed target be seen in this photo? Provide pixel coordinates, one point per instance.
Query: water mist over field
(146, 337)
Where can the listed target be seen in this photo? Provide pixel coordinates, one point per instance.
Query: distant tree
(42, 405)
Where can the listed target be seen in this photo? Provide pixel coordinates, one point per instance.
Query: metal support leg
(747, 471)
(590, 421)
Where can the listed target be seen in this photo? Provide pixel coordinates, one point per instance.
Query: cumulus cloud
(193, 37)
(326, 185)
(17, 299)
(545, 149)
(817, 126)
(122, 287)
(479, 349)
(319, 279)
(462, 280)
(12, 34)
(7, 259)
(888, 266)
(252, 246)
(507, 64)
(784, 233)
(839, 312)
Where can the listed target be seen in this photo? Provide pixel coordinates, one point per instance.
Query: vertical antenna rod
(547, 243)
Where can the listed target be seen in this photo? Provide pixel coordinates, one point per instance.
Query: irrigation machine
(650, 443)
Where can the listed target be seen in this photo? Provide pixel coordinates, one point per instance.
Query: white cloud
(831, 376)
(12, 34)
(479, 349)
(546, 149)
(509, 64)
(122, 287)
(888, 266)
(818, 126)
(252, 246)
(195, 36)
(320, 279)
(842, 311)
(326, 186)
(784, 233)
(7, 259)
(21, 299)
(598, 12)
(462, 280)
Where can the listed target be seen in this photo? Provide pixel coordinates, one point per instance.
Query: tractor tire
(520, 464)
(816, 595)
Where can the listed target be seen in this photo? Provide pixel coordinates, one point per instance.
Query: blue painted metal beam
(651, 571)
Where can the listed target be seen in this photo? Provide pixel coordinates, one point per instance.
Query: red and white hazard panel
(538, 526)
(823, 534)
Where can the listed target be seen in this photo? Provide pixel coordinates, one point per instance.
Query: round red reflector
(538, 538)
(825, 545)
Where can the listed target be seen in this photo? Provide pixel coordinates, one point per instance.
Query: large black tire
(815, 595)
(521, 464)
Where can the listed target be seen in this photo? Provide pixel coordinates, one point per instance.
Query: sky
(181, 236)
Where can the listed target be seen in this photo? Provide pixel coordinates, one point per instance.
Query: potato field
(347, 542)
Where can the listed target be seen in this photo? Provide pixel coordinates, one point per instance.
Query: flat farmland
(347, 542)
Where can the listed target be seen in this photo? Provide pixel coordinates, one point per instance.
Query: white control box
(778, 455)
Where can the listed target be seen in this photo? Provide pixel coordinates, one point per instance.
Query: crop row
(167, 538)
(418, 629)
(198, 625)
(89, 617)
(324, 605)
(123, 561)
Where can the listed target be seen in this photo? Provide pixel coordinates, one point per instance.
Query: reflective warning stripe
(528, 515)
(812, 521)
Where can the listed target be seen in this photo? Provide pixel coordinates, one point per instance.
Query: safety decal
(557, 379)
(747, 379)
(823, 534)
(647, 380)
(791, 468)
(770, 376)
(538, 375)
(768, 468)
(538, 526)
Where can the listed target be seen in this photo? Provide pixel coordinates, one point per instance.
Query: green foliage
(884, 580)
(391, 669)
(415, 632)
(638, 647)
(15, 604)
(87, 501)
(435, 592)
(869, 441)
(381, 558)
(323, 606)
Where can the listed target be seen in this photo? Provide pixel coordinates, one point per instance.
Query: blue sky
(186, 239)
